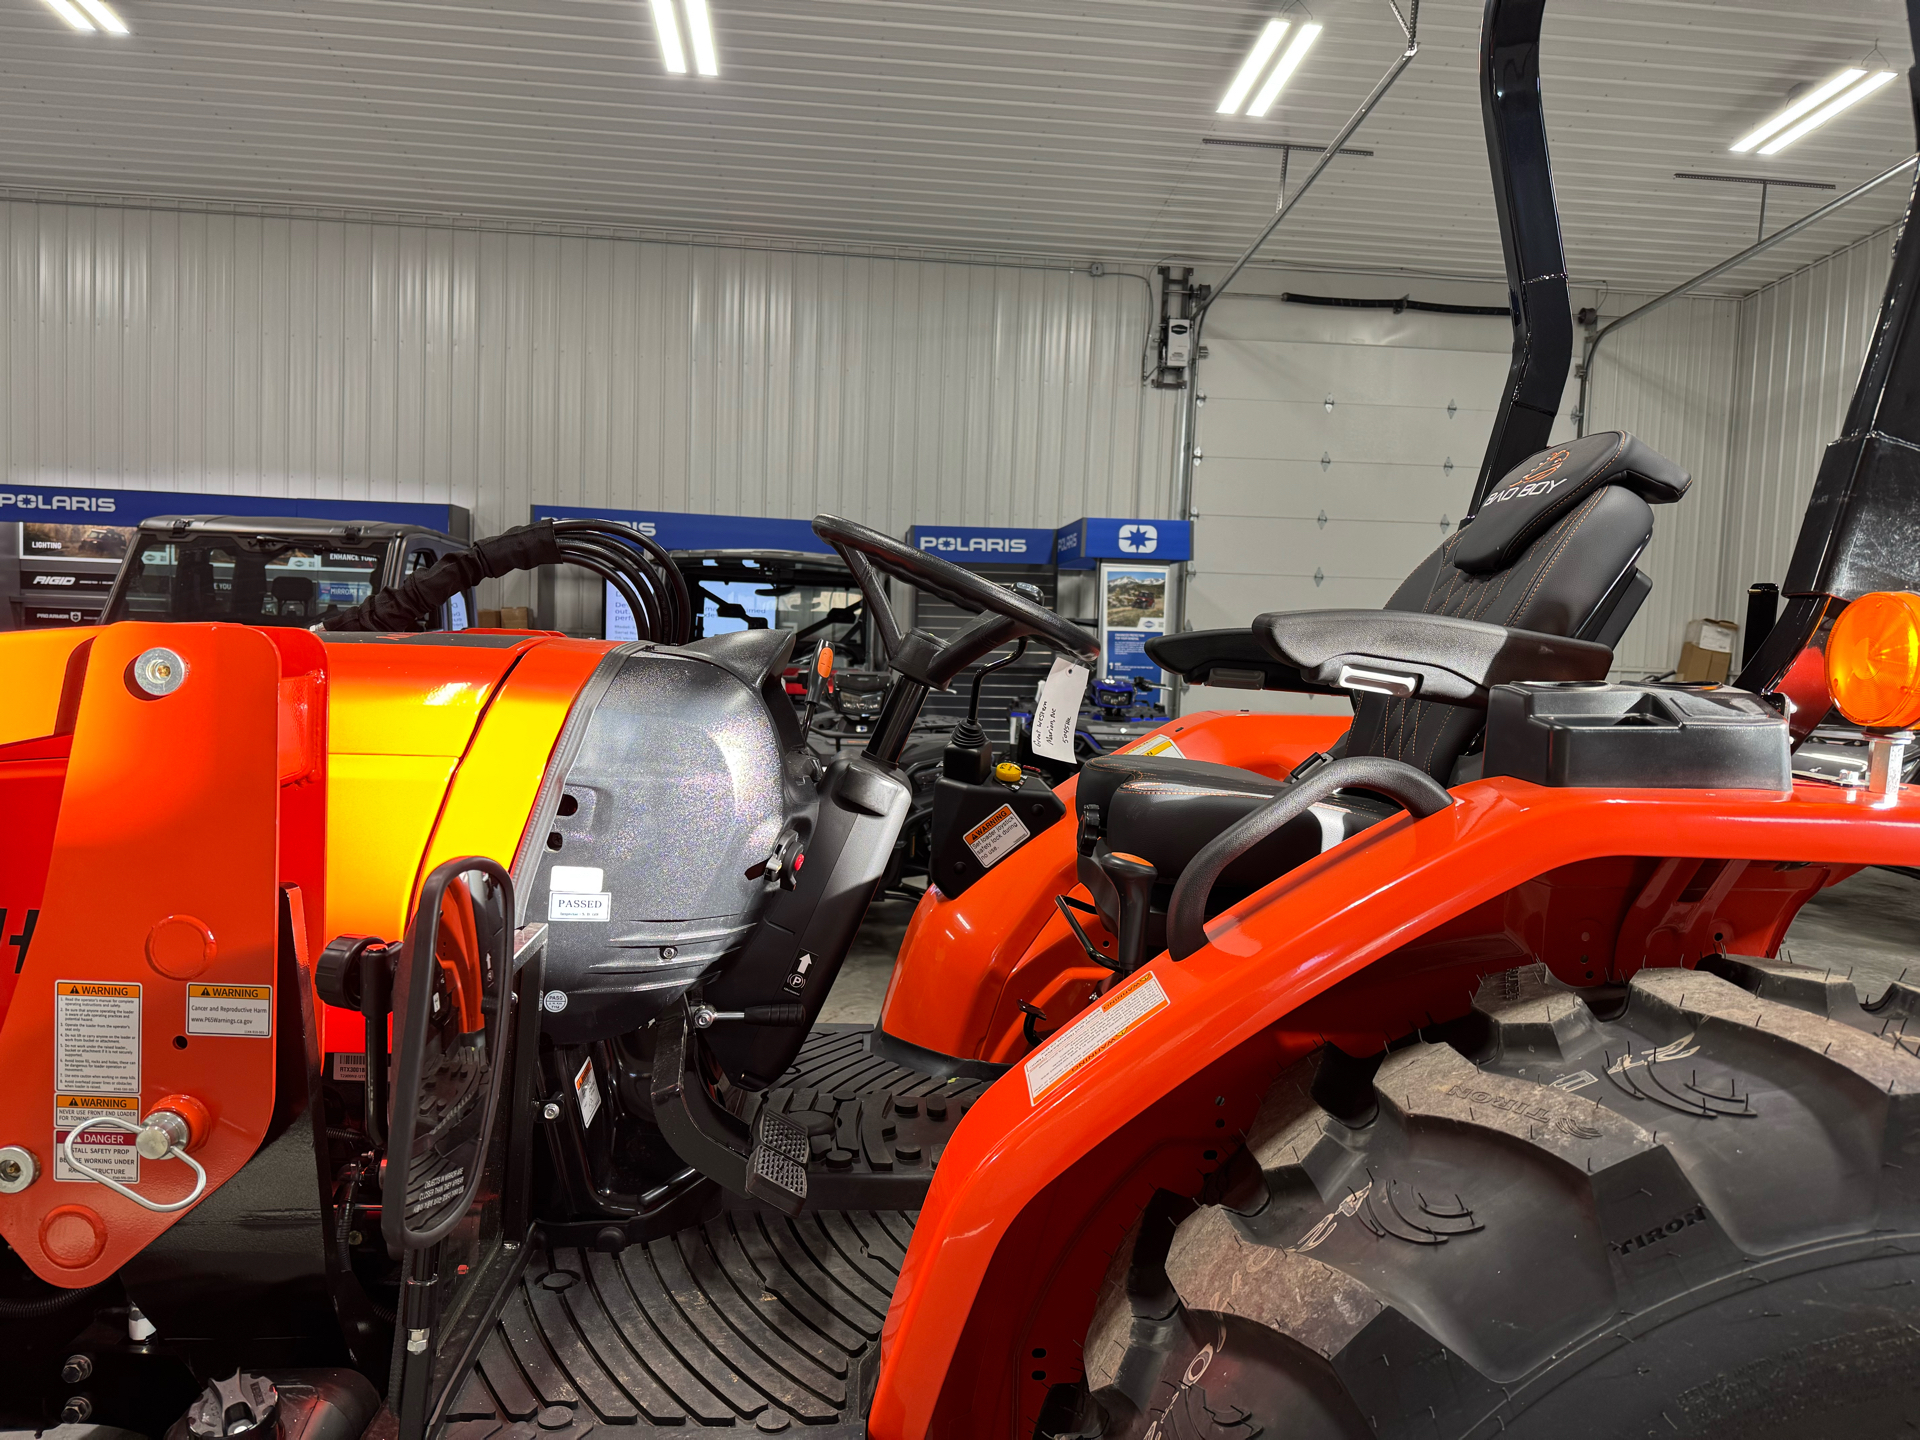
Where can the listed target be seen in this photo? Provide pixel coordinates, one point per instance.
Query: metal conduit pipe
(1184, 429)
(1594, 340)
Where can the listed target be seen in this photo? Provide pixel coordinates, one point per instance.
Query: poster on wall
(1133, 612)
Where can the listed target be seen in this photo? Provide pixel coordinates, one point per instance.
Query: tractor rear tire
(1695, 1216)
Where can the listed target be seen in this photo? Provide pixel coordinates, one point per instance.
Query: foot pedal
(777, 1166)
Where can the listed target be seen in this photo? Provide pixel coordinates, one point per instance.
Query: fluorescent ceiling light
(700, 32)
(665, 26)
(1795, 111)
(103, 17)
(64, 9)
(1303, 38)
(1828, 112)
(1257, 58)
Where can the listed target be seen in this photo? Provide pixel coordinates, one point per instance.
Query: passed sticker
(999, 835)
(1057, 710)
(350, 1065)
(108, 1149)
(1092, 1032)
(580, 905)
(587, 1089)
(96, 1037)
(229, 1010)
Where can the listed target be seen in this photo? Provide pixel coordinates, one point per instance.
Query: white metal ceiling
(1067, 128)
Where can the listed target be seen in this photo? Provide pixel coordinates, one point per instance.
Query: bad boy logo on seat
(1535, 481)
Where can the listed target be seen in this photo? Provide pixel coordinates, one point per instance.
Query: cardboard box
(516, 617)
(489, 620)
(1707, 652)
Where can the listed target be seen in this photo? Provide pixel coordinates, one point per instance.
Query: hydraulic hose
(1187, 909)
(642, 573)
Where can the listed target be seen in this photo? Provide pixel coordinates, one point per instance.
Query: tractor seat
(1539, 586)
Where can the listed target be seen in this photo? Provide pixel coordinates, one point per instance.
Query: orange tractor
(416, 1033)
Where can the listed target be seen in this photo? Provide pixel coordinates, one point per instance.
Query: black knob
(337, 976)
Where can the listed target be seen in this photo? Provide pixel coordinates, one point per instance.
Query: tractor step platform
(751, 1322)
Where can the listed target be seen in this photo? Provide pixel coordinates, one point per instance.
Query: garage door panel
(1353, 373)
(1220, 600)
(1294, 430)
(1245, 320)
(1294, 488)
(1383, 548)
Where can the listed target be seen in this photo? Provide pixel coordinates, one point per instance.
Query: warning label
(96, 1031)
(1092, 1032)
(997, 836)
(1155, 746)
(587, 1090)
(229, 1010)
(108, 1149)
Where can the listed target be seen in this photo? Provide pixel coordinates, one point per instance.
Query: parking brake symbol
(1139, 539)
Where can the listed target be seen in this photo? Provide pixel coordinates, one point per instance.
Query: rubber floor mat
(751, 1323)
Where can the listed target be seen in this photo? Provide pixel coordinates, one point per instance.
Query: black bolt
(77, 1369)
(77, 1411)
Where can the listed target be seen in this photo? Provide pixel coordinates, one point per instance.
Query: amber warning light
(1874, 660)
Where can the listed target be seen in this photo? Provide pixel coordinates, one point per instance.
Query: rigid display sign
(1085, 543)
(984, 544)
(1133, 612)
(66, 505)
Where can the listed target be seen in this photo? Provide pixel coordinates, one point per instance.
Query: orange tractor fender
(1151, 1087)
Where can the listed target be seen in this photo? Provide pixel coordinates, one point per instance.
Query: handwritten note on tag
(1057, 710)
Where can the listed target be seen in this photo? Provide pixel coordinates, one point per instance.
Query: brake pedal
(777, 1166)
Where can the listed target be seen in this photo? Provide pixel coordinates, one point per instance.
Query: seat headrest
(292, 587)
(1548, 484)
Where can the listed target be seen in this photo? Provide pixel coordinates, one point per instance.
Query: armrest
(1234, 659)
(1435, 657)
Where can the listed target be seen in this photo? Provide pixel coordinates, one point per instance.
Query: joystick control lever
(1133, 880)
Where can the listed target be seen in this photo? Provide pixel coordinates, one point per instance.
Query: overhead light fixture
(64, 9)
(1264, 47)
(1820, 95)
(104, 17)
(1303, 38)
(700, 31)
(700, 35)
(1828, 112)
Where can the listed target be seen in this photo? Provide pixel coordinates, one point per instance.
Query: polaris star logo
(1139, 539)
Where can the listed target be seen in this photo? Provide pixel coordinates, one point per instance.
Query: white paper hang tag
(1058, 709)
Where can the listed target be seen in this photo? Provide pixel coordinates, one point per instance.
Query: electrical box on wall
(1180, 345)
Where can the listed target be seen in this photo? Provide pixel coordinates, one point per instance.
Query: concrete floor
(1866, 926)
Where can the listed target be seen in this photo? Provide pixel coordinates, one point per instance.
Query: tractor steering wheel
(867, 551)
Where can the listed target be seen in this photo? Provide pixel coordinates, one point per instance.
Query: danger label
(96, 1030)
(997, 836)
(107, 1149)
(1092, 1032)
(229, 1010)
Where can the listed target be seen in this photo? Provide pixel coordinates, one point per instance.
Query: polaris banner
(683, 530)
(984, 544)
(1086, 543)
(61, 546)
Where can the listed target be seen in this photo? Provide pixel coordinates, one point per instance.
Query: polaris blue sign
(1086, 543)
(60, 503)
(682, 530)
(984, 544)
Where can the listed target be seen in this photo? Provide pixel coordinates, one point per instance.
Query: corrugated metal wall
(1803, 341)
(149, 348)
(1669, 379)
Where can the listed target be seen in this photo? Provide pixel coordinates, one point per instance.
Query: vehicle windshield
(251, 579)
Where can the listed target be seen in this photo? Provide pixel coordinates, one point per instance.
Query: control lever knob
(1133, 880)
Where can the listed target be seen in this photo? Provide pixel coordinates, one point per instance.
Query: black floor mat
(752, 1322)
